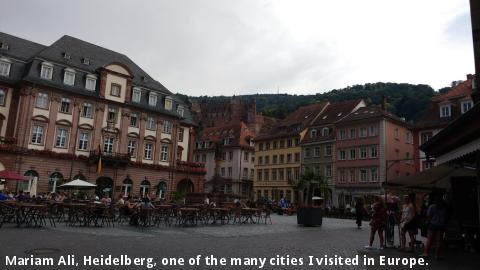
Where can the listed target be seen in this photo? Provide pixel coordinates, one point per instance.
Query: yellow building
(278, 155)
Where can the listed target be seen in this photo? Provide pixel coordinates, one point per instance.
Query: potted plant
(310, 211)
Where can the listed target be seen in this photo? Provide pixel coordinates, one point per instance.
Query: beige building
(278, 155)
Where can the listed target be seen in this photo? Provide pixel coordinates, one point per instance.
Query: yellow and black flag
(99, 162)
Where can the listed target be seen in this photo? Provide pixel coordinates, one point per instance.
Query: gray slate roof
(30, 56)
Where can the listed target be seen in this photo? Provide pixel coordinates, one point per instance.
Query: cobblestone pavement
(284, 237)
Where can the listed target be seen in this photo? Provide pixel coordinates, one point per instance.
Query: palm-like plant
(308, 183)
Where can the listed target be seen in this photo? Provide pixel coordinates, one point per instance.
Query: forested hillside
(404, 100)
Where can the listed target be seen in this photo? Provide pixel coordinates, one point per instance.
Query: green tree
(308, 183)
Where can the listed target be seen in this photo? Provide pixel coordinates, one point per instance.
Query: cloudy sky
(226, 47)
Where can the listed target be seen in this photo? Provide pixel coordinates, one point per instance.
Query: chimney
(384, 102)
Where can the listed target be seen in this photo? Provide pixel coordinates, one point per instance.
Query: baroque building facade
(229, 156)
(65, 106)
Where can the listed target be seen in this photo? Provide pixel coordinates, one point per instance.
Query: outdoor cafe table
(78, 213)
(222, 214)
(248, 214)
(29, 214)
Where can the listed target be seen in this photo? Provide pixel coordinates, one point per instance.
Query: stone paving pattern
(335, 237)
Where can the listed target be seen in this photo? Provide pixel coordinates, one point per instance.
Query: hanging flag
(99, 162)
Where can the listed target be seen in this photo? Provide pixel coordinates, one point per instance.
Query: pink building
(372, 146)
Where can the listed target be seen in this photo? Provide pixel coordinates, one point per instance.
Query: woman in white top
(407, 223)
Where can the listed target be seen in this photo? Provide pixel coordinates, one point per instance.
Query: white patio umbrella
(77, 183)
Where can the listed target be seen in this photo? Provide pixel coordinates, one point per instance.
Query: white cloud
(236, 47)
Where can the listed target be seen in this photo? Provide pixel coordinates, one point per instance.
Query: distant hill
(403, 99)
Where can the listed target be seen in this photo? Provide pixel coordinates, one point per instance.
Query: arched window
(32, 178)
(54, 181)
(127, 187)
(144, 188)
(161, 190)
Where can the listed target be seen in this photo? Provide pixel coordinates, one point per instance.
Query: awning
(11, 175)
(459, 151)
(436, 177)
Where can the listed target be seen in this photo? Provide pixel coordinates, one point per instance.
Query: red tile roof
(294, 122)
(239, 133)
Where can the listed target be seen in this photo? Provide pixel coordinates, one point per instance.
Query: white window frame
(61, 138)
(151, 123)
(363, 132)
(67, 101)
(180, 110)
(87, 110)
(148, 151)
(363, 175)
(108, 145)
(373, 149)
(115, 85)
(83, 140)
(342, 154)
(467, 103)
(363, 152)
(69, 77)
(325, 131)
(152, 99)
(136, 95)
(37, 134)
(133, 115)
(46, 71)
(42, 101)
(167, 127)
(373, 174)
(168, 103)
(445, 110)
(328, 150)
(132, 147)
(91, 82)
(328, 170)
(5, 65)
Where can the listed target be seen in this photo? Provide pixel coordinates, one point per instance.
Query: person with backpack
(437, 216)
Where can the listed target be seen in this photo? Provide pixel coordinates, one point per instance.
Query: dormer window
(325, 132)
(445, 110)
(115, 89)
(168, 103)
(313, 133)
(136, 95)
(69, 77)
(91, 82)
(46, 71)
(4, 46)
(152, 99)
(226, 141)
(466, 105)
(180, 110)
(5, 67)
(67, 55)
(86, 61)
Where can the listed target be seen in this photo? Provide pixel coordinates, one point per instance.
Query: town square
(225, 134)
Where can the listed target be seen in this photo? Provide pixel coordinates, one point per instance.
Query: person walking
(407, 223)
(437, 219)
(377, 223)
(359, 210)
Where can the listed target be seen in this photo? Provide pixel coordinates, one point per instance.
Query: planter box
(309, 216)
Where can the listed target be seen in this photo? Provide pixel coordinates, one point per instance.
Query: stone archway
(185, 186)
(104, 186)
